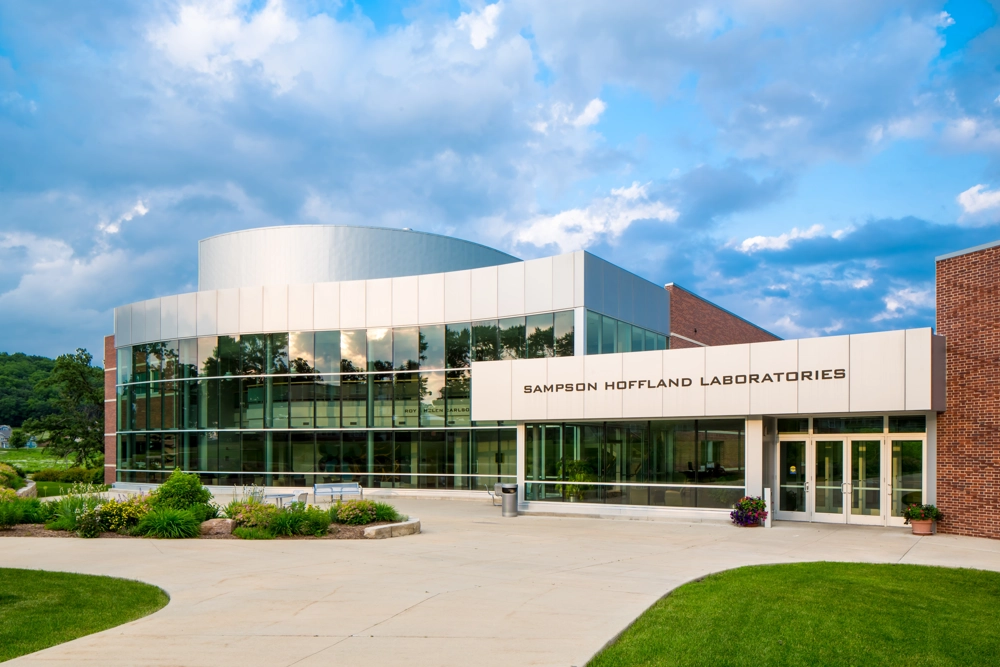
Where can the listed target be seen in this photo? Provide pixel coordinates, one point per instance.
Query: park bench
(339, 489)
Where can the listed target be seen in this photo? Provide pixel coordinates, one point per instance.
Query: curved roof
(295, 254)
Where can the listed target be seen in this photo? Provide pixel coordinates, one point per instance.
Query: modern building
(415, 363)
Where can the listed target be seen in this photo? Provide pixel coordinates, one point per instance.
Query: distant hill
(20, 398)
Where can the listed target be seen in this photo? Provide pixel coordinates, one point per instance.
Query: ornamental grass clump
(81, 497)
(7, 495)
(168, 523)
(354, 512)
(386, 512)
(749, 511)
(11, 514)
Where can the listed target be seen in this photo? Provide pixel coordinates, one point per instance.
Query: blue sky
(799, 163)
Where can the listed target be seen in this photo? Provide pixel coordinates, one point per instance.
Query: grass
(39, 609)
(820, 614)
(46, 489)
(33, 460)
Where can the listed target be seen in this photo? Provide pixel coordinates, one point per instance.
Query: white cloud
(978, 199)
(608, 217)
(591, 114)
(481, 26)
(114, 226)
(904, 301)
(780, 242)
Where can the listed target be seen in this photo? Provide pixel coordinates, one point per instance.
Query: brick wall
(968, 433)
(110, 410)
(702, 321)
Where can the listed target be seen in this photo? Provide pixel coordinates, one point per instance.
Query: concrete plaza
(472, 589)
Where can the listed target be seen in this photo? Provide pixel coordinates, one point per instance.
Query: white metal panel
(378, 296)
(187, 315)
(491, 391)
(152, 319)
(563, 281)
(430, 298)
(208, 315)
(939, 395)
(458, 296)
(404, 301)
(326, 306)
(510, 289)
(564, 404)
(229, 311)
(754, 470)
(276, 308)
(529, 374)
(123, 326)
(878, 371)
(643, 368)
(769, 393)
(602, 403)
(300, 308)
(538, 285)
(725, 393)
(251, 309)
(484, 293)
(918, 369)
(830, 353)
(168, 317)
(352, 304)
(579, 331)
(685, 366)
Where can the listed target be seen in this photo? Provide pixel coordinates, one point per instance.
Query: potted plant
(575, 471)
(922, 518)
(749, 511)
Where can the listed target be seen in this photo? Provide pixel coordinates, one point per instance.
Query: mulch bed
(337, 532)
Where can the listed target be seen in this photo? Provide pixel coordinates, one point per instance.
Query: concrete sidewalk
(471, 589)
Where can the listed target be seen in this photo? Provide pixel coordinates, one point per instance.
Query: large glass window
(458, 345)
(606, 335)
(512, 340)
(432, 347)
(432, 399)
(406, 349)
(486, 341)
(327, 351)
(541, 336)
(253, 354)
(380, 349)
(353, 353)
(302, 352)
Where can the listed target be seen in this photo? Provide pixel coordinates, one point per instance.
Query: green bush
(65, 510)
(386, 512)
(288, 521)
(354, 512)
(88, 522)
(11, 514)
(121, 515)
(252, 514)
(181, 491)
(70, 475)
(34, 510)
(247, 533)
(204, 511)
(9, 477)
(317, 521)
(7, 495)
(169, 523)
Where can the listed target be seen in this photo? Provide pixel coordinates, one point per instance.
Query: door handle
(807, 486)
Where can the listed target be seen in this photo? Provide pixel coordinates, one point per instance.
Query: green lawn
(39, 609)
(820, 614)
(33, 460)
(46, 489)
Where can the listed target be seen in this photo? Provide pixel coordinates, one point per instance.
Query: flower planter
(922, 526)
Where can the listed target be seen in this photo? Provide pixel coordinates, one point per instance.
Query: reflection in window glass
(277, 406)
(541, 336)
(407, 403)
(432, 346)
(638, 339)
(381, 400)
(379, 349)
(609, 335)
(624, 342)
(171, 360)
(405, 458)
(485, 341)
(405, 349)
(253, 353)
(252, 454)
(908, 424)
(847, 424)
(277, 353)
(328, 452)
(564, 346)
(354, 400)
(303, 452)
(907, 479)
(208, 363)
(302, 352)
(229, 355)
(432, 412)
(328, 401)
(254, 393)
(353, 356)
(512, 339)
(189, 358)
(458, 390)
(327, 352)
(154, 361)
(123, 364)
(354, 457)
(458, 345)
(650, 342)
(301, 402)
(594, 331)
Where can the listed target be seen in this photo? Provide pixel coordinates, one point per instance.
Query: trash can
(508, 494)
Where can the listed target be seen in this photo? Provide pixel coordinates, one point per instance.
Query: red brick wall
(110, 410)
(703, 321)
(968, 433)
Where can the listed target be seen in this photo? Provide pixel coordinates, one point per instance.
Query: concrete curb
(408, 527)
(28, 491)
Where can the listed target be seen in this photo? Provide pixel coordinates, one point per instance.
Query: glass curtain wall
(694, 463)
(606, 335)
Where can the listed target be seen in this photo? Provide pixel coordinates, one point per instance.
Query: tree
(18, 439)
(77, 427)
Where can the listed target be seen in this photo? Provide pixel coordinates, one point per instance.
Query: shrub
(204, 511)
(316, 522)
(253, 515)
(386, 512)
(70, 475)
(749, 511)
(181, 491)
(169, 523)
(354, 512)
(247, 533)
(65, 510)
(11, 514)
(9, 477)
(35, 511)
(88, 522)
(288, 521)
(123, 514)
(7, 495)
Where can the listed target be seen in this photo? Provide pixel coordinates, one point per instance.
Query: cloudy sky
(799, 163)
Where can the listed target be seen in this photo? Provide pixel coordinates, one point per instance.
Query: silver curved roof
(298, 254)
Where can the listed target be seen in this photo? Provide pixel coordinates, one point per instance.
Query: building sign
(740, 378)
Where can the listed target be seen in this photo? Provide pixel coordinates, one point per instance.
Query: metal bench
(495, 493)
(339, 489)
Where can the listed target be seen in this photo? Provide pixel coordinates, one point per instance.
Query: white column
(520, 461)
(755, 456)
(930, 461)
(579, 331)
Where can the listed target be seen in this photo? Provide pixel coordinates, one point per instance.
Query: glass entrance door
(793, 486)
(867, 479)
(829, 485)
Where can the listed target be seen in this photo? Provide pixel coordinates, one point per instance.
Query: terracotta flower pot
(922, 526)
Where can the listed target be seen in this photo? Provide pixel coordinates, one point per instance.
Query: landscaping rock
(30, 490)
(409, 527)
(217, 527)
